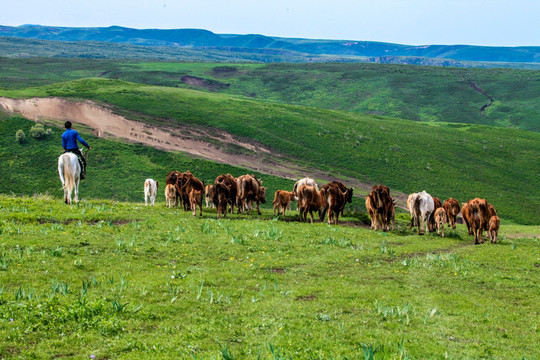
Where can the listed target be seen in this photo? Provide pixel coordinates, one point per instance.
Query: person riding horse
(69, 143)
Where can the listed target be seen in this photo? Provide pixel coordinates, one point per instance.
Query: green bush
(38, 131)
(20, 136)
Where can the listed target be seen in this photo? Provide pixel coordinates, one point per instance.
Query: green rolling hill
(446, 159)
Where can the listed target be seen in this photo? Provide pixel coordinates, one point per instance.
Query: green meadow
(462, 161)
(106, 279)
(111, 278)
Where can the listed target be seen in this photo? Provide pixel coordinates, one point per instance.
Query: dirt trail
(188, 139)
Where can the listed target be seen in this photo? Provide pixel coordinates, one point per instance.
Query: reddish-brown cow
(282, 201)
(309, 200)
(451, 206)
(250, 190)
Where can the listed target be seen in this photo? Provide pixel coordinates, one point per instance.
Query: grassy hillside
(447, 160)
(428, 94)
(110, 280)
(116, 170)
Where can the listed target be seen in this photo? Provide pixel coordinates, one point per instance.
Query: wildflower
(92, 356)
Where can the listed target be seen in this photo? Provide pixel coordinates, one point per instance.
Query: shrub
(38, 131)
(20, 136)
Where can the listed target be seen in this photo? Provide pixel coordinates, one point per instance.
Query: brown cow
(465, 214)
(195, 199)
(379, 205)
(221, 197)
(282, 201)
(490, 212)
(172, 179)
(477, 210)
(334, 196)
(451, 206)
(170, 195)
(440, 219)
(195, 186)
(309, 200)
(339, 185)
(208, 191)
(410, 207)
(232, 185)
(250, 190)
(436, 204)
(493, 231)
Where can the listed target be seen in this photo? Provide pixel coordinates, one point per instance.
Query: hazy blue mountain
(204, 39)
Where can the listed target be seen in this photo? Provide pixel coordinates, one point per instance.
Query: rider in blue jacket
(69, 143)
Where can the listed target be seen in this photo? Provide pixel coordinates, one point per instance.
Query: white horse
(70, 175)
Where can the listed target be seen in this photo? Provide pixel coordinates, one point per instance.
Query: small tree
(20, 136)
(38, 131)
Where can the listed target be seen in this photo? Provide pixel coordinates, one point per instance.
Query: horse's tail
(69, 175)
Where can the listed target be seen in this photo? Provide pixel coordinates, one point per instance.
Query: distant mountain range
(308, 49)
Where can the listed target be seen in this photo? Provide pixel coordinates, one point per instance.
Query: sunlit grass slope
(447, 160)
(116, 170)
(417, 93)
(106, 279)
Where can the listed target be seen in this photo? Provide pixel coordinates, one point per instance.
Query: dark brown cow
(250, 190)
(451, 206)
(379, 205)
(221, 197)
(172, 179)
(183, 178)
(334, 196)
(231, 183)
(309, 200)
(282, 201)
(344, 189)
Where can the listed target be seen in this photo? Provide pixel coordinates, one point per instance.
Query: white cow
(150, 191)
(423, 206)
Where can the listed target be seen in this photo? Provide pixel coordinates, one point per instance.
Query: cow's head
(348, 195)
(262, 194)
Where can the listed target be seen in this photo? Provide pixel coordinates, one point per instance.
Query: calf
(440, 219)
(195, 199)
(494, 223)
(451, 206)
(282, 201)
(170, 195)
(150, 191)
(208, 192)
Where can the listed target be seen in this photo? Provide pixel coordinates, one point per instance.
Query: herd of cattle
(246, 191)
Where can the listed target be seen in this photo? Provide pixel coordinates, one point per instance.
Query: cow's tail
(325, 205)
(276, 198)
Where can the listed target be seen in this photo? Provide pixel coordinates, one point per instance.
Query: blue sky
(413, 22)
